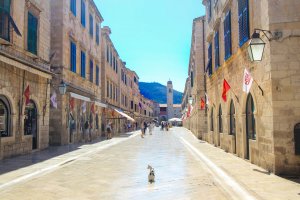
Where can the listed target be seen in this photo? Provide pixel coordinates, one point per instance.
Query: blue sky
(153, 36)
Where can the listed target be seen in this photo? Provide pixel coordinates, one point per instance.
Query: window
(91, 71)
(208, 10)
(227, 35)
(107, 89)
(114, 63)
(243, 21)
(110, 92)
(232, 118)
(192, 79)
(297, 139)
(97, 34)
(83, 13)
(131, 105)
(32, 33)
(220, 120)
(73, 6)
(116, 66)
(111, 57)
(212, 120)
(73, 57)
(107, 54)
(83, 63)
(217, 57)
(250, 119)
(4, 19)
(209, 65)
(97, 75)
(91, 25)
(4, 117)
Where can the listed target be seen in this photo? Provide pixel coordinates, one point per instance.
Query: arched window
(250, 119)
(232, 118)
(220, 120)
(212, 120)
(297, 139)
(5, 117)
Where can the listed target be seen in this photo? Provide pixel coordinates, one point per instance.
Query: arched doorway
(30, 123)
(250, 123)
(232, 129)
(5, 117)
(297, 139)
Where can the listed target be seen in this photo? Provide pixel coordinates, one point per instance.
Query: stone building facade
(196, 117)
(76, 46)
(260, 126)
(121, 89)
(24, 76)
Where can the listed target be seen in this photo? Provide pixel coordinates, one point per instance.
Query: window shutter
(227, 35)
(97, 34)
(209, 66)
(83, 61)
(217, 63)
(91, 25)
(83, 13)
(97, 74)
(243, 7)
(32, 33)
(91, 71)
(73, 57)
(73, 6)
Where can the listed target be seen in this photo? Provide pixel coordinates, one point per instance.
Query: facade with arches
(263, 125)
(24, 63)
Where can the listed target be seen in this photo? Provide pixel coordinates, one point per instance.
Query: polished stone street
(185, 168)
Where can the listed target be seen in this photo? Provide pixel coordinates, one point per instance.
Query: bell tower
(170, 110)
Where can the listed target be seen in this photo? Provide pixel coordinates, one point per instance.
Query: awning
(77, 96)
(124, 115)
(100, 104)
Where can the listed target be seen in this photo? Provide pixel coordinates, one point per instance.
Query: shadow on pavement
(14, 163)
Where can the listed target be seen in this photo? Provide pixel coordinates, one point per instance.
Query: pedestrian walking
(145, 127)
(108, 130)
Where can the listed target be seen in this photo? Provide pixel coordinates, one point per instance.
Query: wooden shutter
(91, 71)
(73, 57)
(83, 13)
(83, 63)
(32, 33)
(227, 35)
(243, 7)
(97, 74)
(217, 60)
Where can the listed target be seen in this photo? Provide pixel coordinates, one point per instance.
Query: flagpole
(262, 92)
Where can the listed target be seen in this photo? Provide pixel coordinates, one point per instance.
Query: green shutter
(32, 33)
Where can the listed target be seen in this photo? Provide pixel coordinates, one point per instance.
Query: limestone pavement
(185, 168)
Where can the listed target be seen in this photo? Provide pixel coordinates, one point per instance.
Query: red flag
(72, 103)
(226, 88)
(93, 108)
(202, 104)
(27, 95)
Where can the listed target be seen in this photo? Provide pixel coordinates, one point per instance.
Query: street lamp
(256, 48)
(62, 88)
(191, 100)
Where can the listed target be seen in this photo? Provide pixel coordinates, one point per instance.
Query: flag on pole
(27, 95)
(202, 104)
(247, 81)
(207, 99)
(226, 88)
(53, 100)
(72, 103)
(83, 107)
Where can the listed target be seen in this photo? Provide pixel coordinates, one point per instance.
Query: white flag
(53, 100)
(83, 107)
(207, 99)
(247, 81)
